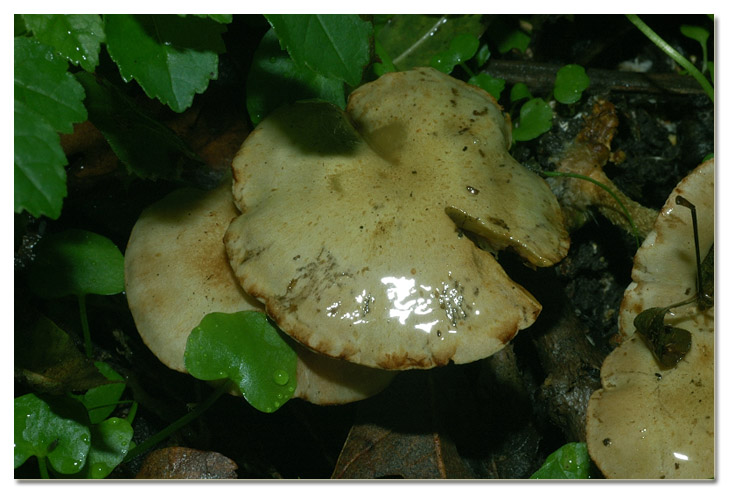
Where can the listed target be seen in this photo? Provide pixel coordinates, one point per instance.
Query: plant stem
(605, 188)
(85, 326)
(176, 425)
(674, 54)
(43, 468)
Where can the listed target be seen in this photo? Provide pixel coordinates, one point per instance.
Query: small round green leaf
(569, 462)
(247, 349)
(536, 118)
(463, 47)
(491, 85)
(570, 82)
(101, 401)
(110, 443)
(55, 428)
(519, 91)
(76, 262)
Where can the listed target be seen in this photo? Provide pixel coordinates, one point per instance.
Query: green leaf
(570, 82)
(221, 18)
(569, 462)
(699, 34)
(491, 85)
(412, 40)
(483, 55)
(463, 47)
(519, 91)
(507, 37)
(100, 401)
(536, 118)
(147, 148)
(274, 79)
(44, 86)
(335, 46)
(39, 173)
(55, 428)
(386, 63)
(76, 262)
(77, 37)
(248, 350)
(171, 57)
(110, 443)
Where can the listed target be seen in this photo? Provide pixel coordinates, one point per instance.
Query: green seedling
(77, 263)
(570, 82)
(507, 37)
(53, 429)
(247, 349)
(462, 48)
(274, 79)
(569, 462)
(673, 54)
(519, 92)
(701, 36)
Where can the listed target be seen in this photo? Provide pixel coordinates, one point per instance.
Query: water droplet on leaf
(281, 377)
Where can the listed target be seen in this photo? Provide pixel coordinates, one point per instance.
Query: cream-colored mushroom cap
(352, 224)
(176, 272)
(649, 422)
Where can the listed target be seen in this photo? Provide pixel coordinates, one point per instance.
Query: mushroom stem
(586, 157)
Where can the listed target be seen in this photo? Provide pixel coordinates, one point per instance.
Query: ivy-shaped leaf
(570, 82)
(53, 428)
(569, 462)
(171, 57)
(335, 46)
(274, 79)
(245, 348)
(76, 262)
(147, 148)
(47, 100)
(536, 118)
(77, 37)
(110, 443)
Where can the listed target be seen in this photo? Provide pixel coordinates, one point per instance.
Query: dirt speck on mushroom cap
(352, 228)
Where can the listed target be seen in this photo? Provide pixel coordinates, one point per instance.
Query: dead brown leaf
(185, 463)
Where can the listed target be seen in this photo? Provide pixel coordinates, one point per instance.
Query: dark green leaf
(171, 57)
(483, 55)
(248, 350)
(274, 79)
(335, 46)
(39, 173)
(570, 82)
(569, 462)
(519, 91)
(76, 262)
(100, 401)
(55, 428)
(463, 47)
(49, 361)
(668, 344)
(506, 36)
(77, 37)
(536, 118)
(412, 40)
(221, 18)
(386, 63)
(145, 146)
(44, 86)
(491, 85)
(110, 442)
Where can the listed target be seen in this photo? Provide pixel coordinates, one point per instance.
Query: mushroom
(353, 225)
(176, 272)
(648, 421)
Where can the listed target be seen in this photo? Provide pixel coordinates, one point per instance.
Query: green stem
(85, 326)
(43, 467)
(466, 69)
(674, 54)
(605, 188)
(176, 425)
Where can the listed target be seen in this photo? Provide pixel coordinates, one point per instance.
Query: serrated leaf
(77, 37)
(570, 82)
(39, 173)
(44, 86)
(412, 40)
(53, 428)
(274, 79)
(171, 57)
(569, 462)
(536, 118)
(147, 148)
(335, 46)
(76, 262)
(245, 348)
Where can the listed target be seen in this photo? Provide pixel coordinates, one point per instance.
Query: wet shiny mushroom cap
(649, 422)
(358, 229)
(176, 272)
